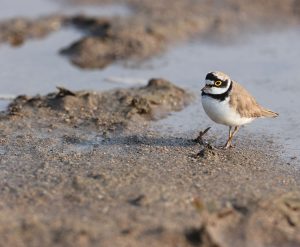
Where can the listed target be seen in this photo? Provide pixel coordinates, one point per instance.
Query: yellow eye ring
(218, 83)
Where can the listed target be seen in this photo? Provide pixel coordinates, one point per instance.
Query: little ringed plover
(227, 102)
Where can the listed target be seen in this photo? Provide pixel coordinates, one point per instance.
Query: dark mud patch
(108, 44)
(18, 30)
(113, 110)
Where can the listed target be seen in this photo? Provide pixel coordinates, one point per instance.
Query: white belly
(220, 112)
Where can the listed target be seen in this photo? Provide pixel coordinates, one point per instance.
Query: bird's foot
(227, 146)
(199, 138)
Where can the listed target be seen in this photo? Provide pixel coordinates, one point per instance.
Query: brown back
(243, 102)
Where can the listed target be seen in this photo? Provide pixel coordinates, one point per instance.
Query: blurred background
(100, 45)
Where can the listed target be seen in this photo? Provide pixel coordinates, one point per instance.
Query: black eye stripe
(223, 84)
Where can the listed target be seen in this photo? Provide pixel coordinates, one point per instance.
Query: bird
(227, 102)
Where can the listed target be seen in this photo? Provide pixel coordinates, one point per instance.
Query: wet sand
(89, 167)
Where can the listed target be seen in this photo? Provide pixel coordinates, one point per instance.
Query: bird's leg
(231, 135)
(229, 138)
(236, 129)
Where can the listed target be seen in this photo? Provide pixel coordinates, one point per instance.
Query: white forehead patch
(209, 82)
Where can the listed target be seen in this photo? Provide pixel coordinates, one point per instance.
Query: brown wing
(242, 101)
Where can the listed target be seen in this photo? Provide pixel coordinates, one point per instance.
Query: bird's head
(216, 83)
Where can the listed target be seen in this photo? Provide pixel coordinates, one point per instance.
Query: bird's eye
(218, 83)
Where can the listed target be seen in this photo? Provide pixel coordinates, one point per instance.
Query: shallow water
(35, 8)
(267, 65)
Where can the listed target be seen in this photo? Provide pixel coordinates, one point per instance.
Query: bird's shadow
(150, 141)
(135, 140)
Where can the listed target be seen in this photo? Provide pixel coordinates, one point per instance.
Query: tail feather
(269, 113)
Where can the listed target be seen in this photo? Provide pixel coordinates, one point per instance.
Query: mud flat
(84, 168)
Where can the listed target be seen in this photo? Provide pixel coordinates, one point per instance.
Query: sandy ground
(68, 177)
(84, 168)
